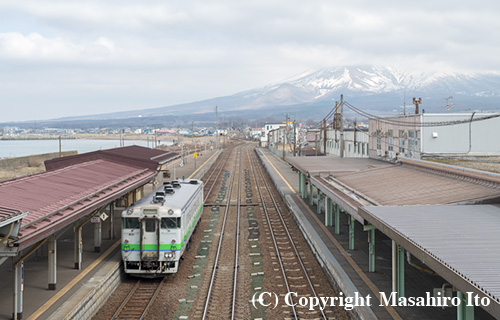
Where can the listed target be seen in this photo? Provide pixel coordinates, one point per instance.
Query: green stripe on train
(163, 247)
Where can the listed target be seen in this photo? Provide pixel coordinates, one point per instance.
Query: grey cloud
(128, 54)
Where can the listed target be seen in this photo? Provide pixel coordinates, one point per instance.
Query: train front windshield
(130, 223)
(170, 223)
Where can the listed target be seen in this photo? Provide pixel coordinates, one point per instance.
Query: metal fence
(279, 152)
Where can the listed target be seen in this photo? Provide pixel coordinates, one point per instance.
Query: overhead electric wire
(318, 124)
(415, 124)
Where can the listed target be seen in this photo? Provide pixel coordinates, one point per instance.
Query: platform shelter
(367, 190)
(73, 191)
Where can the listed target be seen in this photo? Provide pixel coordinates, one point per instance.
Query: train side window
(170, 223)
(131, 223)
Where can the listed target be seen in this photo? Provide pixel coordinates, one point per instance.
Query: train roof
(178, 199)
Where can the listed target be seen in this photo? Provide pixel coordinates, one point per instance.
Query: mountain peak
(373, 87)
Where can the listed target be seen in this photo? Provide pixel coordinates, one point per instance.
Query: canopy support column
(465, 310)
(328, 212)
(401, 271)
(97, 234)
(337, 219)
(371, 247)
(52, 242)
(351, 232)
(318, 209)
(18, 290)
(78, 248)
(311, 188)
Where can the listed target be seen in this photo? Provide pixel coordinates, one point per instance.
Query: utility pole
(216, 129)
(316, 143)
(284, 134)
(60, 153)
(294, 138)
(182, 154)
(341, 125)
(324, 136)
(155, 138)
(355, 125)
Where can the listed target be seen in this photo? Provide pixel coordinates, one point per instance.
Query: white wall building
(269, 127)
(256, 132)
(435, 133)
(355, 143)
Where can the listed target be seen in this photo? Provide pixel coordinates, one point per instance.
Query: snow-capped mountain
(379, 89)
(371, 80)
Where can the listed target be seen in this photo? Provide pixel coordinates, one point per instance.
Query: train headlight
(130, 211)
(170, 211)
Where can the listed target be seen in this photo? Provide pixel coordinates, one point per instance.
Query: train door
(150, 246)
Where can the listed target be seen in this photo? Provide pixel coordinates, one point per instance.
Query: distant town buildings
(415, 136)
(268, 127)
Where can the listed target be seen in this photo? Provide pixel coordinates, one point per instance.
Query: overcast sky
(65, 58)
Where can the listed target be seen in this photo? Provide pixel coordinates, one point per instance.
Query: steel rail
(288, 234)
(219, 246)
(237, 241)
(125, 301)
(219, 167)
(283, 273)
(130, 295)
(150, 303)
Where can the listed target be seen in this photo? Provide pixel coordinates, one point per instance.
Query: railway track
(221, 293)
(294, 272)
(228, 268)
(142, 295)
(212, 176)
(136, 304)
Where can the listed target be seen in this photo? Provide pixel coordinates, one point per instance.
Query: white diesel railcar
(157, 228)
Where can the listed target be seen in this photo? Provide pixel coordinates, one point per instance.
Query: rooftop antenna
(417, 102)
(448, 105)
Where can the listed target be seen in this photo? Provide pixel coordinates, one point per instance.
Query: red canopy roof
(57, 198)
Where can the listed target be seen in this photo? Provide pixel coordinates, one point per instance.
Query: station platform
(348, 269)
(75, 286)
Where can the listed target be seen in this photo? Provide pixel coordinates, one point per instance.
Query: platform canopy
(459, 242)
(354, 182)
(324, 166)
(71, 188)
